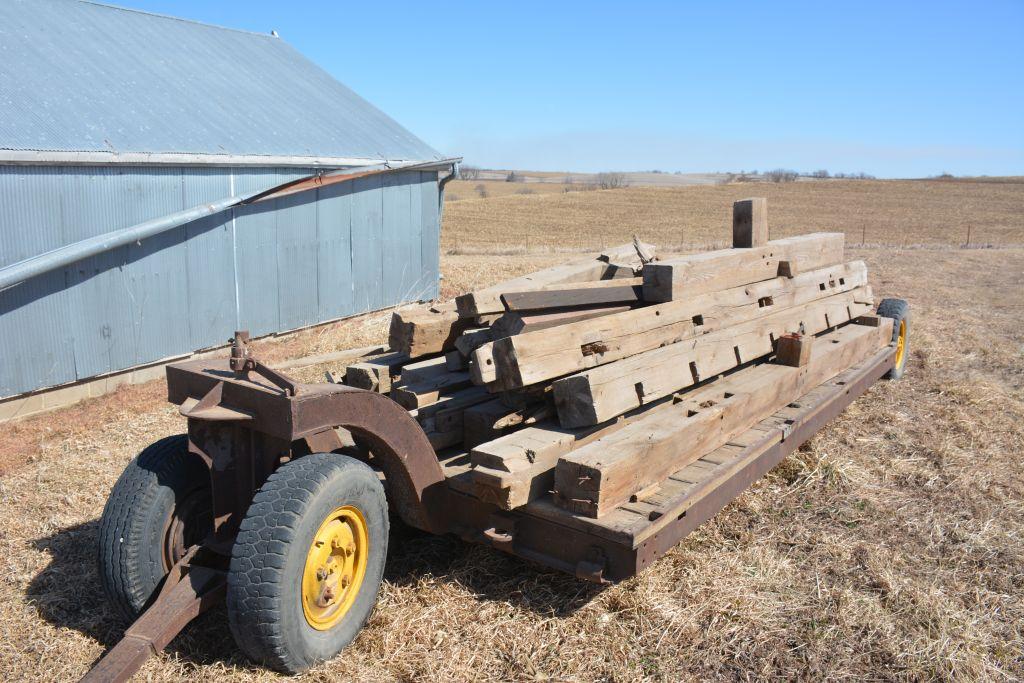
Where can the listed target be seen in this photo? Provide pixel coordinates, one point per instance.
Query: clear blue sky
(895, 89)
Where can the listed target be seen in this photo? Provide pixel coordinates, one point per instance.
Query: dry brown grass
(889, 547)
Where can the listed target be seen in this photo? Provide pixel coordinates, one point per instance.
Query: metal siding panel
(367, 226)
(430, 236)
(395, 265)
(297, 260)
(418, 283)
(66, 85)
(334, 253)
(210, 257)
(93, 202)
(256, 256)
(35, 338)
(156, 275)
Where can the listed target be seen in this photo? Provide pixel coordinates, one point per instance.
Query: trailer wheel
(159, 507)
(899, 311)
(308, 561)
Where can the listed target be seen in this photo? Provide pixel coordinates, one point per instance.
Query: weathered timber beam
(603, 475)
(603, 392)
(689, 276)
(534, 357)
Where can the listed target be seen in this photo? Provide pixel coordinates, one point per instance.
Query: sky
(893, 89)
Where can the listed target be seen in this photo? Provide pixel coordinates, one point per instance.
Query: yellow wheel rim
(901, 344)
(335, 568)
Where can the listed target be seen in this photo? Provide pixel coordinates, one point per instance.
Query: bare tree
(781, 175)
(481, 191)
(611, 181)
(512, 177)
(469, 172)
(820, 174)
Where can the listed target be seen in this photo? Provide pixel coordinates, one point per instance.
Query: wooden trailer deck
(645, 528)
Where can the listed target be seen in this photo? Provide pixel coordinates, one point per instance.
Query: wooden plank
(346, 356)
(620, 526)
(689, 276)
(518, 467)
(488, 300)
(606, 473)
(750, 223)
(471, 339)
(425, 329)
(487, 421)
(603, 392)
(376, 374)
(441, 440)
(516, 322)
(602, 292)
(534, 357)
(454, 361)
(422, 370)
(413, 396)
(451, 403)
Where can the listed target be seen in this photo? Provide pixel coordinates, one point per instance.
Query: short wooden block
(794, 350)
(750, 223)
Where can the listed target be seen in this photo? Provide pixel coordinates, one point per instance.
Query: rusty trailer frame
(245, 420)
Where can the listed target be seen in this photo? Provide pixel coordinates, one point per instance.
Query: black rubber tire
(264, 580)
(135, 522)
(899, 311)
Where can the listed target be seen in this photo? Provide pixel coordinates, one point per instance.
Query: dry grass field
(891, 546)
(891, 213)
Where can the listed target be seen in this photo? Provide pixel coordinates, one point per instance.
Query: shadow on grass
(67, 593)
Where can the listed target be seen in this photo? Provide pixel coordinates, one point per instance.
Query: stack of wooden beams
(587, 384)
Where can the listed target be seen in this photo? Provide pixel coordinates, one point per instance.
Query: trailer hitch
(187, 591)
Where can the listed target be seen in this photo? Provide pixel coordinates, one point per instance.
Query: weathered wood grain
(606, 473)
(689, 276)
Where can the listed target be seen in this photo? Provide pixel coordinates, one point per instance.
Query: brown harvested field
(900, 213)
(891, 546)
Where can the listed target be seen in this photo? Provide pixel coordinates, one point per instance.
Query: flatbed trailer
(247, 422)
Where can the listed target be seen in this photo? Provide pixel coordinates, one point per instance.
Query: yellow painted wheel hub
(901, 344)
(335, 568)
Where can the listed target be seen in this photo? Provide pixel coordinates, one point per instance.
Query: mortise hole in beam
(842, 281)
(728, 395)
(765, 301)
(822, 286)
(698, 320)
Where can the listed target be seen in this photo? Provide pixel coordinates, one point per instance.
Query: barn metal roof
(82, 82)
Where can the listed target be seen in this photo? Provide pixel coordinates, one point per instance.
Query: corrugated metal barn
(142, 142)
